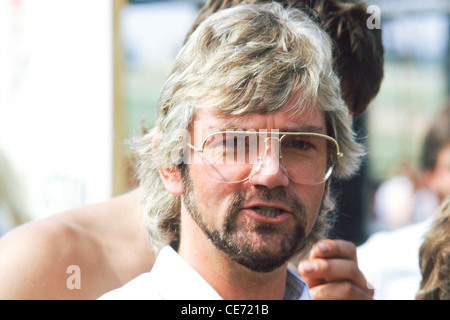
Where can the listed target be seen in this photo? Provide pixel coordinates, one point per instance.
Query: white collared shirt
(172, 278)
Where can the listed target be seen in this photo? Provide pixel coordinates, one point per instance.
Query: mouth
(268, 214)
(268, 211)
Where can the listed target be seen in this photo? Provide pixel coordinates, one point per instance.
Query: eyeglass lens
(306, 158)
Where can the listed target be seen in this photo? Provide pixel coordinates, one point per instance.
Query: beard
(253, 245)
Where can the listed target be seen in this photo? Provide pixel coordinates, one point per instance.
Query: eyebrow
(302, 128)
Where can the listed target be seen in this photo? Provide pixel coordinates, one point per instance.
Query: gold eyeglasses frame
(339, 154)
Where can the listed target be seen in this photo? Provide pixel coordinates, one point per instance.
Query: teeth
(268, 212)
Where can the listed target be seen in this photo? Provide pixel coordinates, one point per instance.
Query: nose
(269, 170)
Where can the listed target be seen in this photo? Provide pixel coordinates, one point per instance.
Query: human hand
(332, 272)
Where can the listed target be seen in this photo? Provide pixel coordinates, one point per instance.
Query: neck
(231, 280)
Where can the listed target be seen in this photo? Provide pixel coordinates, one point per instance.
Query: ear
(171, 179)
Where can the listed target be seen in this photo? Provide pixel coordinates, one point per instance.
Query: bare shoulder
(71, 255)
(35, 259)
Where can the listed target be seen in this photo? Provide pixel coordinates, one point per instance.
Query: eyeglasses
(305, 157)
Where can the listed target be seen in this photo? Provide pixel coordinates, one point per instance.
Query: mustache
(278, 194)
(263, 193)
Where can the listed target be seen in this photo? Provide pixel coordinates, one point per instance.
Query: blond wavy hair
(434, 257)
(242, 60)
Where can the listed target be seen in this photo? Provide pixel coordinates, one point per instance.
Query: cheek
(212, 198)
(312, 197)
(440, 182)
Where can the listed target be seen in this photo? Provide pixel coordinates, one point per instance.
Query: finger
(340, 291)
(327, 248)
(308, 271)
(319, 271)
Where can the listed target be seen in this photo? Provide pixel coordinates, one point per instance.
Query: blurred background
(78, 78)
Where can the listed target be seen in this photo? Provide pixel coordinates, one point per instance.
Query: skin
(230, 279)
(438, 178)
(332, 273)
(108, 241)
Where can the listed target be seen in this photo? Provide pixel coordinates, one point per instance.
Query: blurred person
(434, 258)
(389, 260)
(404, 199)
(12, 207)
(435, 158)
(230, 203)
(102, 241)
(393, 203)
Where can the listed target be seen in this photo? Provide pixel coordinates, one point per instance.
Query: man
(102, 239)
(255, 90)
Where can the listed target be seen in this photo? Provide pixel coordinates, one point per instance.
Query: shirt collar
(175, 279)
(296, 288)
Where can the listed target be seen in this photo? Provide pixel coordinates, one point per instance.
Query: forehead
(282, 120)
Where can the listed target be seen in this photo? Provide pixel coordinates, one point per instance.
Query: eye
(298, 143)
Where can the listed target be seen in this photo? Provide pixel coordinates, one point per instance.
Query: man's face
(263, 221)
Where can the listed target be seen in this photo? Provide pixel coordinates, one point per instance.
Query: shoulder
(105, 245)
(36, 259)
